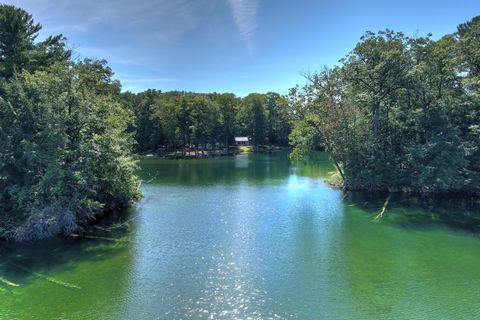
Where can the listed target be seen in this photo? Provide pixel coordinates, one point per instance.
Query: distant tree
(278, 124)
(228, 106)
(165, 112)
(252, 118)
(149, 132)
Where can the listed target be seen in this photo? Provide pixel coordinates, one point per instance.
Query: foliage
(18, 51)
(179, 120)
(65, 154)
(399, 114)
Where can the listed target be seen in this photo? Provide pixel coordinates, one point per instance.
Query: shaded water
(254, 236)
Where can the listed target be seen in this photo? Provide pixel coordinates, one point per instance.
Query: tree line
(167, 121)
(398, 114)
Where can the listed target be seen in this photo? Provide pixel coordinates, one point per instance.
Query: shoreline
(220, 152)
(336, 185)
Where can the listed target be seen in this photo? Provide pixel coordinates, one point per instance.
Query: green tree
(252, 118)
(18, 50)
(278, 124)
(228, 105)
(400, 114)
(66, 155)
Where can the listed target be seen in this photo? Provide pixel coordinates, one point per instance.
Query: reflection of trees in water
(252, 168)
(316, 165)
(458, 212)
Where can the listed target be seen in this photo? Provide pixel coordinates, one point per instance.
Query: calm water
(254, 237)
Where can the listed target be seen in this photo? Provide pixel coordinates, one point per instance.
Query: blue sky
(238, 46)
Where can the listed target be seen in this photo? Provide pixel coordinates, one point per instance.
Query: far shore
(192, 153)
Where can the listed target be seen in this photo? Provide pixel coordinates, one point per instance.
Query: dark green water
(254, 237)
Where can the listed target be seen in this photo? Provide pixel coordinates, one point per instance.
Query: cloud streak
(245, 16)
(170, 18)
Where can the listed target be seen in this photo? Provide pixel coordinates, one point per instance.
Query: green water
(254, 237)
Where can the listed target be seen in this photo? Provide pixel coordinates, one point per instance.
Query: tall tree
(278, 125)
(399, 114)
(18, 50)
(228, 105)
(252, 118)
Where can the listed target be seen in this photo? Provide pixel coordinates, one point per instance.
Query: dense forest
(66, 155)
(171, 121)
(398, 114)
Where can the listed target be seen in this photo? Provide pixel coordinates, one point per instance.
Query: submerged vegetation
(399, 113)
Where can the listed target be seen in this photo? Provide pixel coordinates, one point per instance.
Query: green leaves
(18, 50)
(399, 114)
(65, 154)
(71, 159)
(171, 120)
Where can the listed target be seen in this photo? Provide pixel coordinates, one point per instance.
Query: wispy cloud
(154, 43)
(245, 16)
(171, 18)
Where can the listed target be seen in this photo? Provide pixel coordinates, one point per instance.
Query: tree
(18, 50)
(65, 153)
(468, 44)
(227, 105)
(148, 129)
(278, 125)
(322, 117)
(252, 118)
(202, 120)
(376, 69)
(400, 114)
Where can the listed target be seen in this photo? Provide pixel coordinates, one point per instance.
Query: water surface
(254, 237)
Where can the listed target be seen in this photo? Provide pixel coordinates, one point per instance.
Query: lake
(255, 236)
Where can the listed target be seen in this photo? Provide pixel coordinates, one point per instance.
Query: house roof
(241, 139)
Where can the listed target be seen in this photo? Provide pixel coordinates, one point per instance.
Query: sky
(238, 46)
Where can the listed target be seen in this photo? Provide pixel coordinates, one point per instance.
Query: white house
(242, 141)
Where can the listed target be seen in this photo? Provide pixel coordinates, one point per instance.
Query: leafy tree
(278, 124)
(228, 105)
(149, 133)
(399, 114)
(253, 119)
(65, 152)
(187, 120)
(66, 156)
(467, 117)
(18, 50)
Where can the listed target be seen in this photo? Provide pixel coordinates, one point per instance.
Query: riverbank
(191, 153)
(335, 182)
